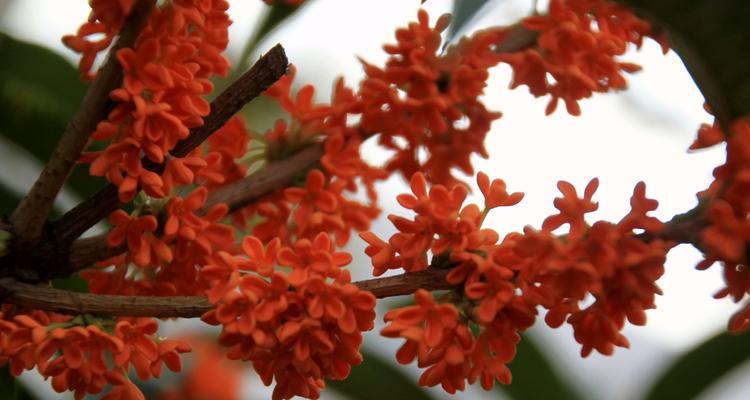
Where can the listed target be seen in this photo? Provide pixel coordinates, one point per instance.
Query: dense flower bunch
(281, 294)
(430, 101)
(74, 352)
(500, 285)
(105, 20)
(577, 51)
(164, 260)
(166, 76)
(297, 328)
(727, 234)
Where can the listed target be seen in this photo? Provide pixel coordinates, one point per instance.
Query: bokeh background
(622, 138)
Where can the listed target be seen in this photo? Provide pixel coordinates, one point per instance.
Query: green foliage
(11, 388)
(378, 379)
(39, 93)
(698, 369)
(534, 377)
(463, 12)
(8, 200)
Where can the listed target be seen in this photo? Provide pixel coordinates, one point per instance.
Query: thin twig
(29, 217)
(267, 70)
(276, 175)
(67, 302)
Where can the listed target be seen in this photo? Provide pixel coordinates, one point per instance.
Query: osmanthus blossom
(74, 352)
(273, 270)
(500, 284)
(297, 328)
(726, 237)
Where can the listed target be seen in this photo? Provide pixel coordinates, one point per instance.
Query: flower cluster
(166, 75)
(166, 263)
(323, 203)
(577, 51)
(282, 296)
(500, 285)
(727, 234)
(297, 328)
(425, 100)
(74, 352)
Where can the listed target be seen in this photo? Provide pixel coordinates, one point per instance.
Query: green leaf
(463, 12)
(698, 369)
(534, 377)
(39, 93)
(11, 388)
(72, 283)
(378, 379)
(713, 40)
(8, 201)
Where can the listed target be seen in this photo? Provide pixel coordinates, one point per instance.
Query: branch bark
(29, 217)
(276, 175)
(66, 302)
(266, 71)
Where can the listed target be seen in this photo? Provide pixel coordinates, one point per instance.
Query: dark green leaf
(11, 388)
(378, 379)
(463, 12)
(534, 377)
(73, 283)
(8, 201)
(695, 371)
(39, 93)
(713, 40)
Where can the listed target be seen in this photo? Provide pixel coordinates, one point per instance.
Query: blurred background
(639, 134)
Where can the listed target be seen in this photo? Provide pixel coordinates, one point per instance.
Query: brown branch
(66, 302)
(519, 39)
(30, 215)
(86, 251)
(266, 71)
(276, 175)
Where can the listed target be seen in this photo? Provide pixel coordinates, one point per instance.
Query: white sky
(622, 138)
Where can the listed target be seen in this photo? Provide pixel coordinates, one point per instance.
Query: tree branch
(266, 71)
(683, 228)
(66, 302)
(30, 215)
(276, 175)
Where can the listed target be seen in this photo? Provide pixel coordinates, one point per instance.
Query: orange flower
(572, 209)
(427, 101)
(578, 46)
(143, 247)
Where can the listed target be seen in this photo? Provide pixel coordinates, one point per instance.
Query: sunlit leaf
(698, 369)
